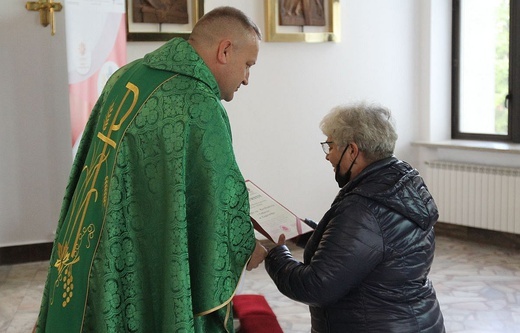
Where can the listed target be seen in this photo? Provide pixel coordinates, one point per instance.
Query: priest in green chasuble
(154, 231)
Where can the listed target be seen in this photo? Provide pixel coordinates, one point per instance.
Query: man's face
(242, 56)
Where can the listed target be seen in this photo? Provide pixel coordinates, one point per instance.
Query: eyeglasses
(326, 146)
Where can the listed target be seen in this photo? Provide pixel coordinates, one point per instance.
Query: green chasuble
(154, 231)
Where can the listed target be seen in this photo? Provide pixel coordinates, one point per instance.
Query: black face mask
(342, 180)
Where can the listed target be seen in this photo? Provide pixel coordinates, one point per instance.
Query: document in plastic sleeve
(270, 218)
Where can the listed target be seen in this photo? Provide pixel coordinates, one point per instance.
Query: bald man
(154, 230)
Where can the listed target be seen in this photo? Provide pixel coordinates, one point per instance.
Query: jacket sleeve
(350, 247)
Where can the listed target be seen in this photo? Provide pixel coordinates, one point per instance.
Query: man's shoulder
(178, 56)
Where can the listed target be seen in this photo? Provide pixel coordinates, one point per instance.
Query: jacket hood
(398, 186)
(178, 56)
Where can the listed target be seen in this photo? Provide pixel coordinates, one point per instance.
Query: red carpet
(255, 315)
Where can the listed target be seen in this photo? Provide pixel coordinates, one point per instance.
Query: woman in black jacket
(366, 265)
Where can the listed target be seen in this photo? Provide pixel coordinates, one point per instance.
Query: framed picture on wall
(161, 20)
(310, 21)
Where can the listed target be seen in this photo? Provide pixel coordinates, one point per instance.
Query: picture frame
(146, 32)
(328, 33)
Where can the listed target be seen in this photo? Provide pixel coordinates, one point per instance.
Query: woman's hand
(281, 240)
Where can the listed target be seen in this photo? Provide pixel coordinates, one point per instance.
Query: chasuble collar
(178, 56)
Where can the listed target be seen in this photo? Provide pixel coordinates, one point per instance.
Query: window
(485, 70)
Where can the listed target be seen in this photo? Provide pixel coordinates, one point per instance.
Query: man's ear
(224, 48)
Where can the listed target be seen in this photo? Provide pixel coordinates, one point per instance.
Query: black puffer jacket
(366, 265)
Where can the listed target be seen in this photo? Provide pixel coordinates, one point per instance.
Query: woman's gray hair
(370, 126)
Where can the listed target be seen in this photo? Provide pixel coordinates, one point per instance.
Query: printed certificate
(270, 218)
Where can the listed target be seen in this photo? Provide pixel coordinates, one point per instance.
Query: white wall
(35, 154)
(385, 56)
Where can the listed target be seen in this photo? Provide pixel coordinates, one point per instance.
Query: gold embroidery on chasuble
(87, 210)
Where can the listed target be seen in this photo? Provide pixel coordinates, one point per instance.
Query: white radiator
(486, 197)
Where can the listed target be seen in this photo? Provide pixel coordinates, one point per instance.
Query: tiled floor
(478, 287)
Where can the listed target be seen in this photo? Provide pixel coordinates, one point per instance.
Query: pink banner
(96, 48)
